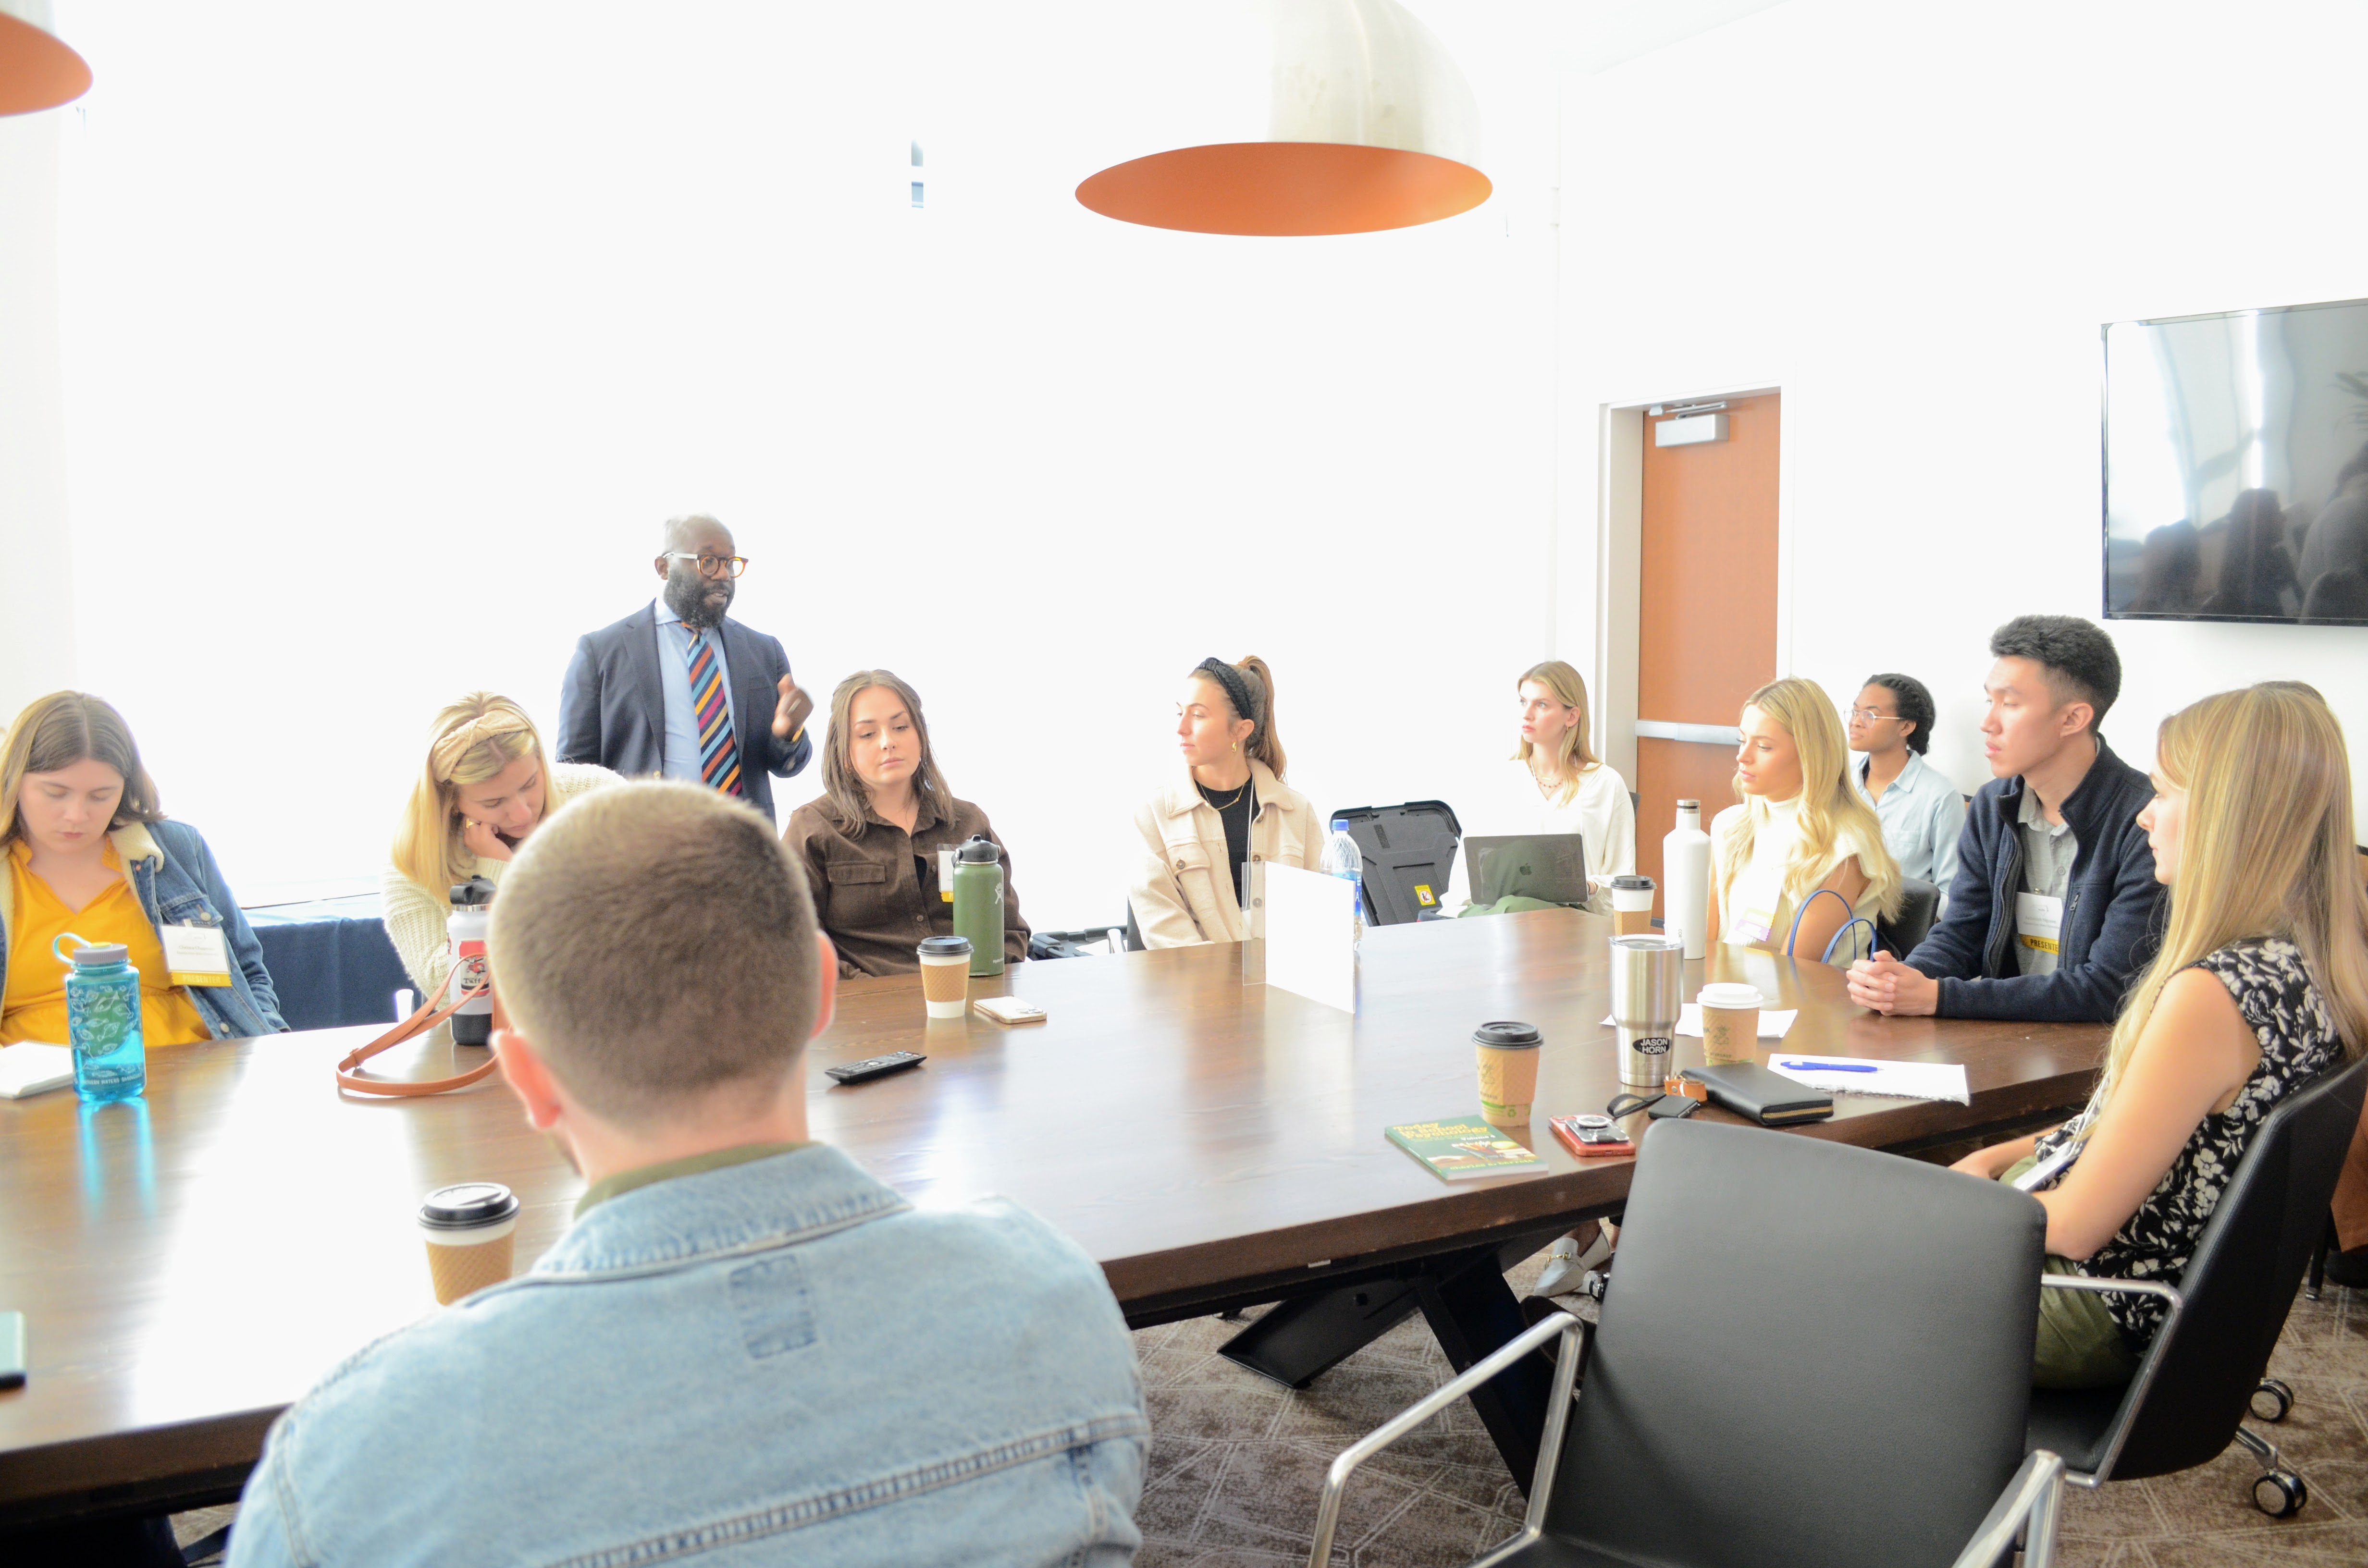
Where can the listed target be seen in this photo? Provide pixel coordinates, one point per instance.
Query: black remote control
(878, 1067)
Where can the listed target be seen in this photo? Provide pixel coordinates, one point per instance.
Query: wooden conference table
(190, 1263)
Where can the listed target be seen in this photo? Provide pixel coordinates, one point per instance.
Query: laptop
(1549, 866)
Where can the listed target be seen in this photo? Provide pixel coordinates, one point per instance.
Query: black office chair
(1815, 1354)
(1919, 906)
(2204, 1370)
(1409, 854)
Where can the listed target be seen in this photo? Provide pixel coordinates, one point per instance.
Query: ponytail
(1265, 745)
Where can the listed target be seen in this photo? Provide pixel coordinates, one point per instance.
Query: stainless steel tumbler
(1647, 980)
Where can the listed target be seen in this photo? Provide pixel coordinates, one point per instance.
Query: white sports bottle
(472, 912)
(1685, 880)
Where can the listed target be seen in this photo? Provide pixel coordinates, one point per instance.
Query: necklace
(1209, 795)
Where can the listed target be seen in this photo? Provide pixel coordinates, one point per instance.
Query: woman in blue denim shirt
(86, 846)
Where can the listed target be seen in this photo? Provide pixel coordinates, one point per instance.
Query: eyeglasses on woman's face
(713, 565)
(1868, 715)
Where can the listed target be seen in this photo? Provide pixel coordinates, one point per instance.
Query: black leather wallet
(1769, 1098)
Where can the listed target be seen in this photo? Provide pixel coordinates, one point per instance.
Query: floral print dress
(2274, 992)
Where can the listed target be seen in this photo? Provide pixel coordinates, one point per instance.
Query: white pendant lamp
(1308, 117)
(37, 72)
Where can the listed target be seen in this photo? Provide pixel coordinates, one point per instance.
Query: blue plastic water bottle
(1343, 859)
(103, 1020)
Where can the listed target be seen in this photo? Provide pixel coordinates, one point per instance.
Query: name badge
(946, 875)
(196, 955)
(2038, 921)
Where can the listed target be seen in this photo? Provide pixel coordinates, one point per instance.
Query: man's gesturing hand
(790, 714)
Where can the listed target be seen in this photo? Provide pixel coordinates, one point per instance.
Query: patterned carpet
(1236, 1462)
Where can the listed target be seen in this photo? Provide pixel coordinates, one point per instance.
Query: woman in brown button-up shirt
(870, 843)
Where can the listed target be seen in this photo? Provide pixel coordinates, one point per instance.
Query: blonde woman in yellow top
(1800, 832)
(89, 854)
(484, 786)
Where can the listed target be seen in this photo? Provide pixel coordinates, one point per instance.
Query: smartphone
(12, 1350)
(1672, 1108)
(1008, 1010)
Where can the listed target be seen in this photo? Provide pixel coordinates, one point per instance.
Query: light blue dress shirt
(674, 676)
(1922, 815)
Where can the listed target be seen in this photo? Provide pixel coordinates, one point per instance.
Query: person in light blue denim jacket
(724, 1358)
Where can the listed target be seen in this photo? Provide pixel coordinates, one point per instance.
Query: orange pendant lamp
(1320, 116)
(37, 72)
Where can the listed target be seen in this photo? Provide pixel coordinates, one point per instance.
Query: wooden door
(1706, 626)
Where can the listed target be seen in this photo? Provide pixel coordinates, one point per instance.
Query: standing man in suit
(679, 689)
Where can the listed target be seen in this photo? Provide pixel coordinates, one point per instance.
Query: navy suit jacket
(612, 710)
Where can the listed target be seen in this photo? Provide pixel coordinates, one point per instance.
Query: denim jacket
(777, 1361)
(177, 883)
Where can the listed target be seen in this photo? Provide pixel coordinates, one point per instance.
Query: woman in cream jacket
(1231, 810)
(485, 787)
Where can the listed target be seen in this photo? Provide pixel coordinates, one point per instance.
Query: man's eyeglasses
(1869, 714)
(713, 565)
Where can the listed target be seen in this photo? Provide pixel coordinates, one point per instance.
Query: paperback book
(1458, 1150)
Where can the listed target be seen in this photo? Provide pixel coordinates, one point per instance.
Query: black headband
(1237, 690)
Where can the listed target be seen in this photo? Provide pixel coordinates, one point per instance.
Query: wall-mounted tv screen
(2237, 466)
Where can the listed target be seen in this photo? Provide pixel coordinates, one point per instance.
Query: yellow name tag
(196, 955)
(2038, 921)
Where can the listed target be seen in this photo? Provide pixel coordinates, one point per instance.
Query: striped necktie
(719, 754)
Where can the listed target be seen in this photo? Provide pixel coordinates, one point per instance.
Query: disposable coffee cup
(1509, 1071)
(945, 975)
(469, 1234)
(1730, 1015)
(1632, 906)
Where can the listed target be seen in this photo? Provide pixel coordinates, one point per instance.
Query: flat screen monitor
(2237, 467)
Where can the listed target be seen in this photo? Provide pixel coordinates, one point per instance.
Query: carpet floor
(1236, 1462)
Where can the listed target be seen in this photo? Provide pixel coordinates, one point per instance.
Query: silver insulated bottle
(1647, 978)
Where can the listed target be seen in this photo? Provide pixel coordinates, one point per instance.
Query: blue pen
(1829, 1066)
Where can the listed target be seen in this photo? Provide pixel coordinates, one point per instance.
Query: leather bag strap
(349, 1078)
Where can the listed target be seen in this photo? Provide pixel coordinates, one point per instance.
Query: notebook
(1463, 1148)
(1769, 1098)
(33, 1069)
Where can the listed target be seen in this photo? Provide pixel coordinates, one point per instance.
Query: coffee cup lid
(467, 1205)
(945, 947)
(1632, 884)
(1508, 1036)
(1731, 994)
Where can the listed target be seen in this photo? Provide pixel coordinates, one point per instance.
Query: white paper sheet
(1773, 1022)
(1895, 1080)
(31, 1068)
(1311, 936)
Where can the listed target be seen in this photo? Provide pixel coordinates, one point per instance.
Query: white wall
(393, 334)
(36, 631)
(1913, 219)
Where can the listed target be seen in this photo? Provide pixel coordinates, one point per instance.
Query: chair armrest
(2135, 1394)
(1562, 1324)
(2035, 1493)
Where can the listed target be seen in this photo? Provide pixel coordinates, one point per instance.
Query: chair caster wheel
(2280, 1494)
(2272, 1401)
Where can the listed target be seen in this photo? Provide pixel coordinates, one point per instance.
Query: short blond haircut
(653, 942)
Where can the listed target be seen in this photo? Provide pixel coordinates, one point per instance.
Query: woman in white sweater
(1552, 783)
(485, 788)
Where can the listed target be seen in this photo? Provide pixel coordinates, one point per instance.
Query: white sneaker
(1566, 1267)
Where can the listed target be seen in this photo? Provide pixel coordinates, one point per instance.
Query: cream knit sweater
(415, 916)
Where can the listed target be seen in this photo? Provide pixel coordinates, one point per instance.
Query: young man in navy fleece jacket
(2055, 907)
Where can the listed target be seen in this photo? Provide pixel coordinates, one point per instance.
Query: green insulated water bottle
(978, 903)
(111, 1060)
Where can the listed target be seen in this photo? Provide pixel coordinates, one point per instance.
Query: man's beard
(686, 595)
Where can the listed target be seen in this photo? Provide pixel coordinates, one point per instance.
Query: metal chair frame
(2028, 1509)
